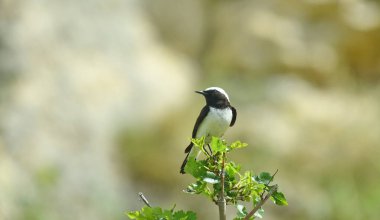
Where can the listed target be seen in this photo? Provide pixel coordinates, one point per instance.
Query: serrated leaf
(157, 213)
(237, 144)
(232, 169)
(218, 145)
(279, 198)
(263, 177)
(152, 212)
(181, 215)
(133, 214)
(199, 143)
(195, 168)
(191, 216)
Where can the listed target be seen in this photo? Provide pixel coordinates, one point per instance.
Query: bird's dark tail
(187, 150)
(182, 171)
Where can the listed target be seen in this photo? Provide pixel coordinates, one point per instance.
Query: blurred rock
(304, 76)
(84, 69)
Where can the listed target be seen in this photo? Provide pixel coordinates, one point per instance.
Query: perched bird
(214, 119)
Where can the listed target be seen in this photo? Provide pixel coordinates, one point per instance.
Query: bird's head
(215, 97)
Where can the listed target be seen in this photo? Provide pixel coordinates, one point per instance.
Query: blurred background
(97, 103)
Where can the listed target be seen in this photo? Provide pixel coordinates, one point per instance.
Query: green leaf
(196, 168)
(156, 213)
(259, 213)
(236, 145)
(199, 143)
(263, 177)
(241, 211)
(279, 198)
(133, 214)
(217, 145)
(152, 212)
(191, 215)
(232, 169)
(181, 215)
(211, 178)
(197, 188)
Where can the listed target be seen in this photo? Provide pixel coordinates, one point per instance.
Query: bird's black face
(215, 98)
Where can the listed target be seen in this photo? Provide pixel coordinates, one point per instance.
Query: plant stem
(261, 203)
(142, 197)
(222, 200)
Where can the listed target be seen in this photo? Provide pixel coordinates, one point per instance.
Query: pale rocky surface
(80, 70)
(303, 75)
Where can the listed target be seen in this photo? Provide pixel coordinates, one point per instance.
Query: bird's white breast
(215, 123)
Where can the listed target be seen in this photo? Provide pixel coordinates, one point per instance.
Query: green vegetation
(157, 213)
(223, 183)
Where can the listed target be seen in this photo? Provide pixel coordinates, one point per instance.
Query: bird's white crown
(219, 90)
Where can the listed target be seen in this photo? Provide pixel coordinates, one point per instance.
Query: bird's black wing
(234, 115)
(200, 118)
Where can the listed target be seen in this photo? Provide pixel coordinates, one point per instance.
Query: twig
(173, 207)
(261, 203)
(141, 195)
(222, 200)
(271, 179)
(266, 185)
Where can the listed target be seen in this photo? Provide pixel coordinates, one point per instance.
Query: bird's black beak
(200, 92)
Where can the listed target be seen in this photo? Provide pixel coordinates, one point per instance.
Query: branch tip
(143, 198)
